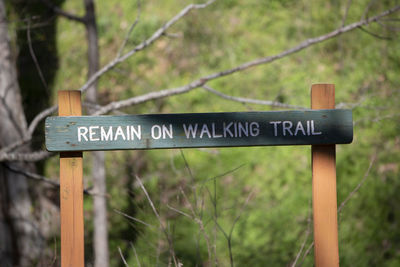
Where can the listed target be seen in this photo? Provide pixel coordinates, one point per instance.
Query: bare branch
(357, 104)
(122, 257)
(163, 228)
(28, 34)
(191, 177)
(244, 100)
(147, 97)
(228, 236)
(202, 81)
(367, 9)
(234, 223)
(388, 26)
(346, 12)
(136, 255)
(39, 177)
(376, 35)
(222, 175)
(307, 252)
(133, 218)
(63, 13)
(94, 106)
(47, 112)
(31, 129)
(156, 35)
(32, 175)
(14, 145)
(27, 157)
(351, 194)
(241, 211)
(308, 232)
(139, 5)
(198, 220)
(179, 211)
(36, 25)
(55, 252)
(173, 35)
(187, 166)
(376, 119)
(385, 117)
(390, 19)
(41, 116)
(197, 216)
(150, 201)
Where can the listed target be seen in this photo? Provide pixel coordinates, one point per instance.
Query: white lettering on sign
(101, 133)
(226, 129)
(106, 136)
(156, 132)
(210, 130)
(163, 131)
(205, 130)
(287, 125)
(231, 129)
(275, 123)
(312, 129)
(214, 135)
(136, 132)
(299, 127)
(92, 133)
(167, 131)
(254, 129)
(288, 129)
(243, 129)
(82, 132)
(190, 131)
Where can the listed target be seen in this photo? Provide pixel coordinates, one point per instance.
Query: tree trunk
(100, 239)
(20, 239)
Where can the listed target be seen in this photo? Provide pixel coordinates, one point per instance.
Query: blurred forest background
(214, 207)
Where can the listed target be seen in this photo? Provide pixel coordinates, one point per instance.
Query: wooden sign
(311, 127)
(322, 127)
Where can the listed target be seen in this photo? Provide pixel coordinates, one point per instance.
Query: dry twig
(39, 177)
(136, 255)
(122, 257)
(308, 232)
(163, 227)
(244, 100)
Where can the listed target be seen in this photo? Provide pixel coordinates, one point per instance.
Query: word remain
(288, 128)
(101, 133)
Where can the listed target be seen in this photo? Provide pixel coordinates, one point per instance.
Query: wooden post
(326, 247)
(71, 190)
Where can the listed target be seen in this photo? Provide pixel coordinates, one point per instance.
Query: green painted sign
(226, 129)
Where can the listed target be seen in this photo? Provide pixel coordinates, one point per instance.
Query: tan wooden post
(71, 190)
(326, 246)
